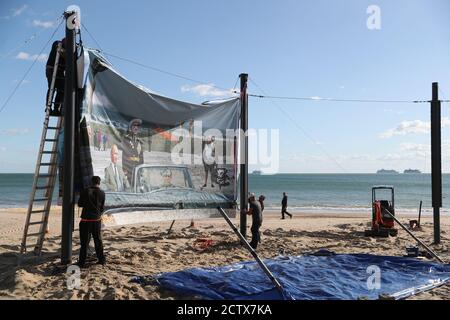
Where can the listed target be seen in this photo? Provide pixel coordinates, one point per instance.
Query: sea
(306, 192)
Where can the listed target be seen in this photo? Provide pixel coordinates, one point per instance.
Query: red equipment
(382, 222)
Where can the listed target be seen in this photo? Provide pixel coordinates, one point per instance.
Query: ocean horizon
(311, 192)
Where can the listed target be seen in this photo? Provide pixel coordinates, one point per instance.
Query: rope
(27, 41)
(249, 94)
(92, 37)
(29, 69)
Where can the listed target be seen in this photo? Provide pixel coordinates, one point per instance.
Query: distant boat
(383, 171)
(257, 172)
(412, 171)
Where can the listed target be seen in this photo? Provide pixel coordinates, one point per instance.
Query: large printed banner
(158, 158)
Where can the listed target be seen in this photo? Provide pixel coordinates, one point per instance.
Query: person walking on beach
(92, 200)
(284, 206)
(256, 213)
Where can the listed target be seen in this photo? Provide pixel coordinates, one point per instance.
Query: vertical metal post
(244, 155)
(436, 169)
(69, 134)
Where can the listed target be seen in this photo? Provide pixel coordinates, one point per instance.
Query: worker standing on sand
(256, 213)
(284, 206)
(261, 202)
(92, 200)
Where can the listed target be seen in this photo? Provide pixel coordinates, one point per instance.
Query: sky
(318, 49)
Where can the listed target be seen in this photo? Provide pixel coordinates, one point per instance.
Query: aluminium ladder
(44, 176)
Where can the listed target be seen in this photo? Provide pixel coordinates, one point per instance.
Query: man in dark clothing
(284, 206)
(59, 80)
(261, 202)
(92, 200)
(256, 213)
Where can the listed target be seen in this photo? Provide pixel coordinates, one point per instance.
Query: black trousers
(255, 236)
(88, 229)
(283, 211)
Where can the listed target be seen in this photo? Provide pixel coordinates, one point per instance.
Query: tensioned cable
(148, 66)
(29, 69)
(27, 41)
(340, 100)
(92, 37)
(314, 141)
(163, 71)
(249, 94)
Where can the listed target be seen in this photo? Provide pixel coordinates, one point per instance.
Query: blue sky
(289, 48)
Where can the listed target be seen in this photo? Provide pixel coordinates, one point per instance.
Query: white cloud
(2, 149)
(389, 157)
(422, 150)
(14, 132)
(207, 90)
(15, 12)
(44, 24)
(26, 56)
(18, 11)
(412, 127)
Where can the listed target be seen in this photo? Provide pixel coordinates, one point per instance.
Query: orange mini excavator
(382, 222)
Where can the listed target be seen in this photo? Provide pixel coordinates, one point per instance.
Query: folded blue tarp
(311, 277)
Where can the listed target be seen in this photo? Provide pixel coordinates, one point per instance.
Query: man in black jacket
(60, 78)
(284, 206)
(92, 200)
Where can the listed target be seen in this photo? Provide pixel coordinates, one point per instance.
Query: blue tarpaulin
(311, 277)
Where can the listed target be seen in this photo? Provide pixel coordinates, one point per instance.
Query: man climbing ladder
(46, 166)
(57, 76)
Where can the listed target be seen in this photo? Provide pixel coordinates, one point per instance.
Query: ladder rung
(35, 223)
(54, 128)
(49, 152)
(42, 187)
(30, 245)
(35, 234)
(40, 199)
(46, 175)
(38, 211)
(48, 163)
(51, 140)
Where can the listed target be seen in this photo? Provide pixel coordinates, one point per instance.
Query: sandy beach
(148, 249)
